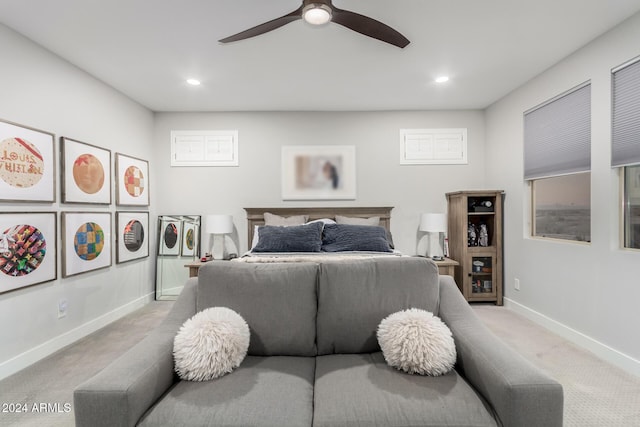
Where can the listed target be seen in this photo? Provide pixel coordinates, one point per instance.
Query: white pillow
(374, 220)
(210, 344)
(417, 342)
(277, 220)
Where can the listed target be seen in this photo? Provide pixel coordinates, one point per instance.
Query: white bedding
(266, 257)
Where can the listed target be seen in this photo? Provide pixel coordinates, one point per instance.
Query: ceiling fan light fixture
(316, 13)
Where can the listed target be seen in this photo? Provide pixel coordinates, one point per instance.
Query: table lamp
(219, 225)
(434, 224)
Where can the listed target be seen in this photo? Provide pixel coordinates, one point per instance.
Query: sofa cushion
(263, 391)
(354, 297)
(362, 390)
(278, 302)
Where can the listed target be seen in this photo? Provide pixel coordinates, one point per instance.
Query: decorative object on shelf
(326, 172)
(483, 235)
(434, 224)
(26, 164)
(472, 235)
(86, 172)
(132, 238)
(27, 249)
(86, 242)
(475, 241)
(218, 226)
(132, 181)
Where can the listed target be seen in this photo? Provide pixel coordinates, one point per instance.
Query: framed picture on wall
(27, 249)
(86, 242)
(326, 172)
(132, 181)
(86, 172)
(27, 171)
(169, 236)
(132, 236)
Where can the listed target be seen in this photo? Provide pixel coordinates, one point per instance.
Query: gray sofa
(314, 360)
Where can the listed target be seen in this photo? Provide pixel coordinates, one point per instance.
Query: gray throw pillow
(297, 238)
(344, 237)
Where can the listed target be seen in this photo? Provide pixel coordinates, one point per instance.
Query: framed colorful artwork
(326, 172)
(86, 172)
(27, 171)
(132, 237)
(132, 181)
(86, 242)
(190, 240)
(27, 249)
(169, 236)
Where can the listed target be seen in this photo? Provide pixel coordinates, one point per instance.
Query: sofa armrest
(520, 393)
(121, 393)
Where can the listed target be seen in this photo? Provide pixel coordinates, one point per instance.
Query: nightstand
(193, 268)
(447, 266)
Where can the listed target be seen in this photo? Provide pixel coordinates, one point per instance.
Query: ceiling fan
(319, 12)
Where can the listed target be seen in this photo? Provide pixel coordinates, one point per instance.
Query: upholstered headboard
(255, 216)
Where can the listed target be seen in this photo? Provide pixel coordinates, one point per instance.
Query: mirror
(178, 246)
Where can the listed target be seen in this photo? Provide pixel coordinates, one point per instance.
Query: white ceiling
(147, 48)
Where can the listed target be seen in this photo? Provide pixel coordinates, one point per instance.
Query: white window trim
(433, 146)
(196, 148)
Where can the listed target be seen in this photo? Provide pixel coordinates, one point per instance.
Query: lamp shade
(433, 222)
(219, 224)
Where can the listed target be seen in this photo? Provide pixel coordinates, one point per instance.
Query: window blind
(625, 126)
(557, 135)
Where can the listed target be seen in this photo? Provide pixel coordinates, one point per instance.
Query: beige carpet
(53, 379)
(596, 393)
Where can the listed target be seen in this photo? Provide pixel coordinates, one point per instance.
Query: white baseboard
(601, 350)
(47, 348)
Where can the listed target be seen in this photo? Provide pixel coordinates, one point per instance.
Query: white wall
(381, 181)
(40, 90)
(588, 293)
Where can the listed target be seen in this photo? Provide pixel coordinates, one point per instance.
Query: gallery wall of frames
(29, 238)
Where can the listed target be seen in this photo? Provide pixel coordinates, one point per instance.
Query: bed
(376, 220)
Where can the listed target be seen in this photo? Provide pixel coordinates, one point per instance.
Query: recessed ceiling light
(442, 79)
(193, 82)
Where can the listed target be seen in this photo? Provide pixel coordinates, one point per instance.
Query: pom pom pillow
(210, 344)
(417, 342)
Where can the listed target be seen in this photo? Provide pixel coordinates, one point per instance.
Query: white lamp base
(218, 246)
(435, 246)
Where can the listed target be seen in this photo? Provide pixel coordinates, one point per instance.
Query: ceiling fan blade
(266, 27)
(369, 27)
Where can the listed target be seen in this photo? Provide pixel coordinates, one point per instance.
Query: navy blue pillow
(295, 238)
(347, 237)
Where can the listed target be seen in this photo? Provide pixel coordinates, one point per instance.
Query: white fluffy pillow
(417, 342)
(210, 344)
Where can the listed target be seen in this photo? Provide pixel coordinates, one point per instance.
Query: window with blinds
(625, 144)
(557, 164)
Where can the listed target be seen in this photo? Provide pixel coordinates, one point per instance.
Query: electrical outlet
(63, 305)
(516, 284)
